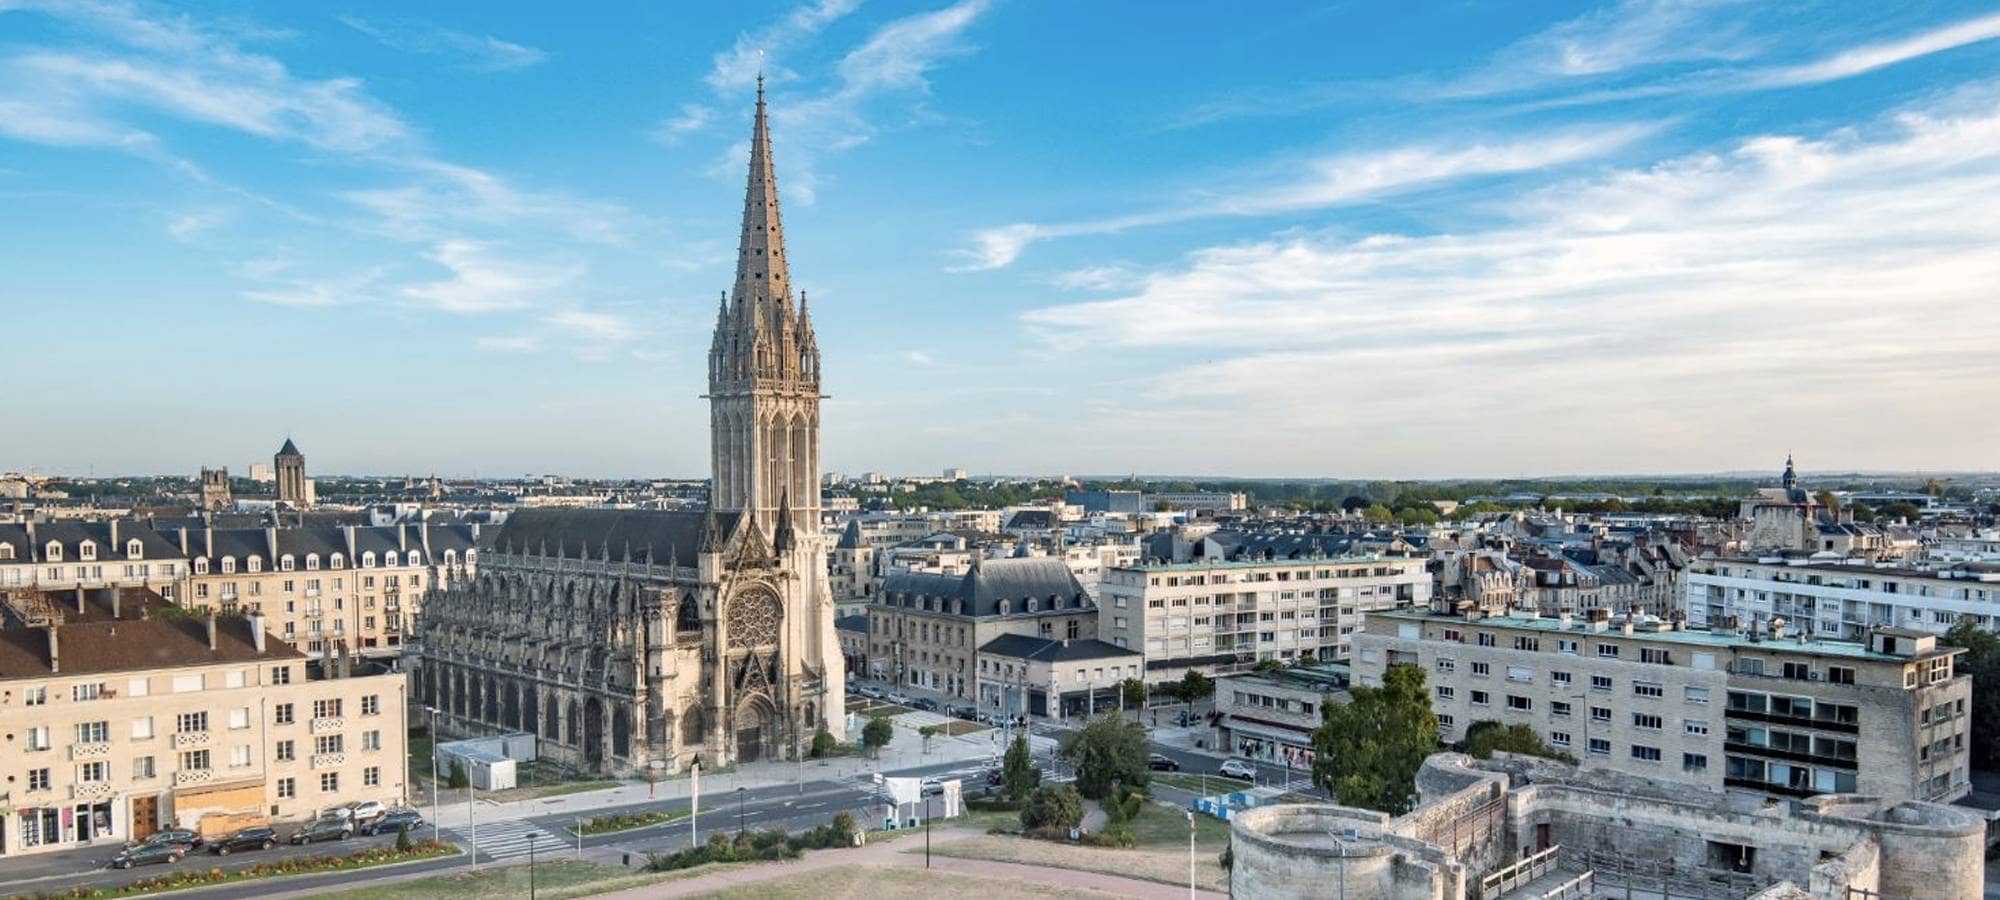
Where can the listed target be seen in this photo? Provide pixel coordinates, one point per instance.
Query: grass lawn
(865, 882)
(1168, 865)
(557, 880)
(1162, 825)
(958, 726)
(1208, 785)
(615, 822)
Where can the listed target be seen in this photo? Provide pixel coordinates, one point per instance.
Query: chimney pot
(55, 656)
(211, 630)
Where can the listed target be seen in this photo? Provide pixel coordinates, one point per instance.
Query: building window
(1600, 682)
(1482, 669)
(1697, 694)
(1607, 651)
(1656, 656)
(1480, 698)
(38, 779)
(1559, 738)
(93, 732)
(1645, 754)
(1646, 721)
(1520, 703)
(327, 743)
(329, 782)
(288, 788)
(281, 674)
(1486, 639)
(1527, 643)
(370, 705)
(35, 696)
(325, 709)
(1694, 727)
(1447, 664)
(371, 776)
(92, 772)
(282, 714)
(1558, 708)
(1445, 692)
(191, 722)
(83, 692)
(1694, 762)
(1561, 678)
(286, 751)
(194, 761)
(1648, 689)
(1840, 674)
(371, 740)
(1600, 746)
(1600, 714)
(142, 767)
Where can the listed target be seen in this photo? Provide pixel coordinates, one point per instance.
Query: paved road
(86, 868)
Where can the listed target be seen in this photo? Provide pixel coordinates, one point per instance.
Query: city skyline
(1640, 237)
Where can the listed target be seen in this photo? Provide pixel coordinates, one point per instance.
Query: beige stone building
(126, 715)
(66, 555)
(925, 628)
(1019, 673)
(323, 587)
(1775, 713)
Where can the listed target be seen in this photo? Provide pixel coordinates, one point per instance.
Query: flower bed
(194, 878)
(627, 821)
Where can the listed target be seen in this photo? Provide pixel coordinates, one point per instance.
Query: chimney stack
(79, 601)
(115, 594)
(257, 631)
(211, 630)
(55, 656)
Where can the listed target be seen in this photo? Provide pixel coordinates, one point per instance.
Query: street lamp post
(437, 833)
(739, 809)
(531, 865)
(1190, 820)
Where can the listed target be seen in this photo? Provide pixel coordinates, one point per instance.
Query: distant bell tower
(291, 467)
(763, 368)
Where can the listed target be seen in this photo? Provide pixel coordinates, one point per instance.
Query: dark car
(146, 854)
(1161, 763)
(925, 703)
(257, 838)
(330, 828)
(397, 818)
(179, 837)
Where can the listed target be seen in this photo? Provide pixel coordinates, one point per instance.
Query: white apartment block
(1222, 617)
(1773, 713)
(1839, 600)
(130, 717)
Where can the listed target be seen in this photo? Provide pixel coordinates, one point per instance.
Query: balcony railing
(192, 776)
(90, 750)
(91, 790)
(190, 739)
(329, 760)
(328, 724)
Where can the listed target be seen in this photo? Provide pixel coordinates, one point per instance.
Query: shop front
(58, 827)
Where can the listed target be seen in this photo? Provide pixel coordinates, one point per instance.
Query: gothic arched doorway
(756, 726)
(621, 732)
(593, 732)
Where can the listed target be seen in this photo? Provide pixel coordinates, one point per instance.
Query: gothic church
(630, 640)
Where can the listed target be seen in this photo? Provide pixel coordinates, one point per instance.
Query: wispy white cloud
(1652, 312)
(1323, 183)
(918, 358)
(189, 226)
(483, 280)
(736, 68)
(514, 343)
(480, 52)
(596, 326)
(283, 287)
(1868, 58)
(445, 199)
(693, 117)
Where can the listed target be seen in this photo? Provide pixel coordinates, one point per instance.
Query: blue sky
(1331, 239)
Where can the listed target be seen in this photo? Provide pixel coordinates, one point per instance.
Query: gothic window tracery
(753, 619)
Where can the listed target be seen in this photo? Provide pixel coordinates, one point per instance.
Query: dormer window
(1006, 607)
(134, 549)
(334, 561)
(53, 552)
(451, 557)
(312, 562)
(389, 559)
(86, 551)
(1029, 604)
(228, 565)
(256, 563)
(285, 563)
(415, 558)
(6, 551)
(368, 560)
(471, 556)
(201, 565)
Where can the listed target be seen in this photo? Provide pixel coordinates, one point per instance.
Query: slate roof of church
(662, 534)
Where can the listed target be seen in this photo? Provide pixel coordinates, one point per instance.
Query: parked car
(1237, 768)
(870, 691)
(360, 812)
(179, 837)
(397, 818)
(924, 703)
(1160, 762)
(898, 698)
(147, 854)
(933, 786)
(325, 828)
(962, 712)
(256, 838)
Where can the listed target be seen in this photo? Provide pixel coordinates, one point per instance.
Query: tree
(1982, 661)
(1267, 665)
(1901, 509)
(1827, 501)
(1195, 686)
(1107, 751)
(1052, 808)
(876, 734)
(927, 732)
(1131, 692)
(403, 838)
(1354, 502)
(457, 777)
(1367, 751)
(1483, 737)
(1862, 511)
(1018, 774)
(1418, 515)
(1378, 514)
(823, 744)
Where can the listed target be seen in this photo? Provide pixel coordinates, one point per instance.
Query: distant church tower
(291, 467)
(763, 369)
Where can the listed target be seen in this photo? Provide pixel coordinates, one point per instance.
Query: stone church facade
(630, 640)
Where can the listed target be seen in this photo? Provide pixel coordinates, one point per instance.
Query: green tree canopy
(1862, 512)
(1901, 509)
(1485, 736)
(1055, 807)
(1195, 686)
(1131, 692)
(1378, 514)
(1107, 751)
(1981, 660)
(877, 733)
(1018, 773)
(1368, 750)
(1418, 515)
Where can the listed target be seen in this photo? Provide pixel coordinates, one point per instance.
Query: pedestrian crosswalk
(502, 840)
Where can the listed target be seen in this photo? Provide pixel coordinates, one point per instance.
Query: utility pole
(437, 833)
(694, 809)
(531, 865)
(1190, 820)
(472, 816)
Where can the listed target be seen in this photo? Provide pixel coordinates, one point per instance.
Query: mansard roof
(992, 581)
(663, 535)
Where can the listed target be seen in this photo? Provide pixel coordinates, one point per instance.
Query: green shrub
(823, 744)
(1114, 835)
(1052, 808)
(403, 839)
(457, 778)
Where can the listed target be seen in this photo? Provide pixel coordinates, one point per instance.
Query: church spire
(763, 280)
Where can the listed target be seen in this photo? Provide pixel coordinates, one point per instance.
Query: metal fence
(1662, 879)
(1522, 871)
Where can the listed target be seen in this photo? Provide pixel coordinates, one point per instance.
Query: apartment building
(1771, 712)
(322, 586)
(1841, 599)
(1053, 677)
(1219, 617)
(1271, 716)
(127, 715)
(65, 555)
(925, 628)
